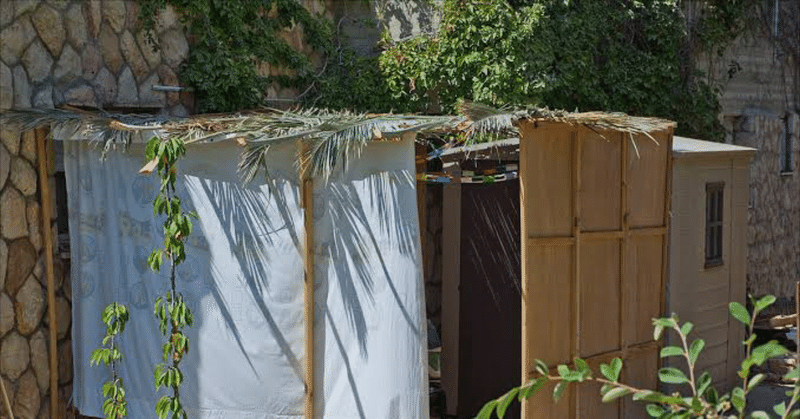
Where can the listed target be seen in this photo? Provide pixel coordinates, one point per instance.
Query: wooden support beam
(44, 189)
(308, 305)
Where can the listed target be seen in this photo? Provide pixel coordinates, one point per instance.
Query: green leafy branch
(703, 400)
(171, 310)
(114, 316)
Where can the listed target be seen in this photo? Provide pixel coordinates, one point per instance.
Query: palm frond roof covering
(330, 138)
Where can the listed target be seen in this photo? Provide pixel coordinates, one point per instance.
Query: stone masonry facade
(54, 53)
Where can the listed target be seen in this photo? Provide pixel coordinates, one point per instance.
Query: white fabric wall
(244, 281)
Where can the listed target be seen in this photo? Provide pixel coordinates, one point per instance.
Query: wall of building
(88, 54)
(774, 217)
(760, 82)
(24, 329)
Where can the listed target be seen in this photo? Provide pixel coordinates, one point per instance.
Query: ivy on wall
(231, 38)
(633, 56)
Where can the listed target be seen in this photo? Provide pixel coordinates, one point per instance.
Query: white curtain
(243, 278)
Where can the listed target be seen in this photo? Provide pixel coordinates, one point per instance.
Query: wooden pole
(308, 306)
(797, 318)
(6, 403)
(44, 188)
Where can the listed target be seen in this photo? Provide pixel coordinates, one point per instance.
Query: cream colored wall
(701, 295)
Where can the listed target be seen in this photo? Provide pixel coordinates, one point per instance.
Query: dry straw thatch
(330, 138)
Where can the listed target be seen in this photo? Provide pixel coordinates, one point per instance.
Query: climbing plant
(170, 309)
(616, 55)
(698, 398)
(231, 39)
(114, 316)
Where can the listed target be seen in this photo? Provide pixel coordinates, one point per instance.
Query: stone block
(65, 362)
(14, 39)
(9, 135)
(12, 214)
(27, 146)
(109, 49)
(63, 317)
(29, 306)
(51, 30)
(91, 60)
(149, 51)
(14, 355)
(39, 360)
(81, 95)
(133, 56)
(114, 14)
(37, 62)
(23, 255)
(27, 400)
(127, 94)
(69, 65)
(6, 314)
(5, 165)
(34, 220)
(6, 87)
(174, 47)
(148, 97)
(106, 86)
(76, 26)
(22, 88)
(23, 176)
(92, 13)
(44, 98)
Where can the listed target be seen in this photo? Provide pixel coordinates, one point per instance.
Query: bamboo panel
(548, 210)
(643, 292)
(647, 176)
(590, 403)
(541, 405)
(600, 276)
(640, 369)
(548, 326)
(594, 216)
(600, 177)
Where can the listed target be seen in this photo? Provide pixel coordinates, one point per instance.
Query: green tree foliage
(613, 55)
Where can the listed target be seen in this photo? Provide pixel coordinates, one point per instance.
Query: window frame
(714, 224)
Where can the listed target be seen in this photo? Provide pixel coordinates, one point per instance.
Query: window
(786, 147)
(714, 206)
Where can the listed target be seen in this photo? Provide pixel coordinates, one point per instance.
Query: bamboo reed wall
(595, 207)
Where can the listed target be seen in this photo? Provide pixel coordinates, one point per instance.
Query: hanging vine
(114, 316)
(171, 310)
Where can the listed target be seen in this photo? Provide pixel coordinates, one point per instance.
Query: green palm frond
(329, 139)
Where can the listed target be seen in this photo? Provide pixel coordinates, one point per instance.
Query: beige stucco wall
(701, 295)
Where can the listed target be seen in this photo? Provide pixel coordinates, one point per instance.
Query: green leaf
(655, 411)
(531, 388)
(671, 351)
(541, 367)
(616, 368)
(558, 391)
(703, 382)
(738, 399)
(780, 409)
(755, 381)
(759, 415)
(505, 401)
(486, 411)
(687, 328)
(739, 313)
(763, 303)
(672, 375)
(792, 375)
(695, 348)
(615, 393)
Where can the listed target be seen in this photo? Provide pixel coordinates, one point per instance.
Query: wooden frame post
(46, 228)
(308, 263)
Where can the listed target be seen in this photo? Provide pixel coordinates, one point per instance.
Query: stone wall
(24, 333)
(774, 217)
(87, 53)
